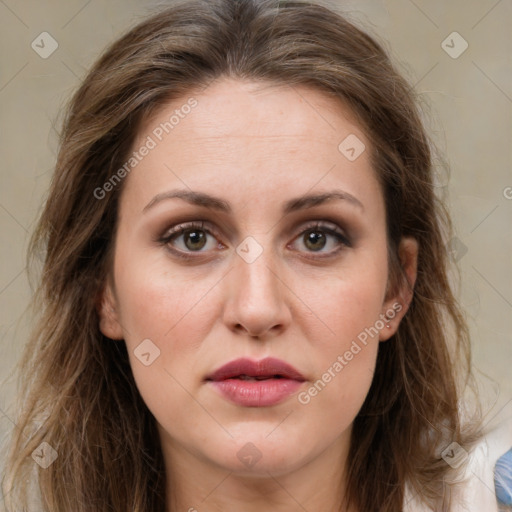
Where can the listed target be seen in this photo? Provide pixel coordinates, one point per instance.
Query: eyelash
(315, 226)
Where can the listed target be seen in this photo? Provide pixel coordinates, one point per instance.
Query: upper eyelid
(177, 228)
(207, 225)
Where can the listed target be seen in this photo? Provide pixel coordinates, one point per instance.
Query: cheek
(175, 312)
(160, 305)
(344, 306)
(342, 385)
(345, 333)
(345, 364)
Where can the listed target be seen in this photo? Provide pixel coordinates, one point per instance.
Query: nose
(257, 298)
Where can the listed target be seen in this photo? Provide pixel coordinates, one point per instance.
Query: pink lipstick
(256, 383)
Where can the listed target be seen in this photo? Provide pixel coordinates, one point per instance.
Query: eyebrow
(216, 203)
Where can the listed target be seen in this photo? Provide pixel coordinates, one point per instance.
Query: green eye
(194, 239)
(322, 239)
(190, 237)
(315, 240)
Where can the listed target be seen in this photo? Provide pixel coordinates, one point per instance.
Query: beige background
(469, 105)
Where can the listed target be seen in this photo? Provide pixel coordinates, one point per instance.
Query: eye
(190, 237)
(194, 237)
(322, 238)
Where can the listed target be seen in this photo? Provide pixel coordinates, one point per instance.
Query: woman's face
(281, 254)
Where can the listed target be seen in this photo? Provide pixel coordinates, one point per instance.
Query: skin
(256, 146)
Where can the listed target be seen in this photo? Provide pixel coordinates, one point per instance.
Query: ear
(396, 306)
(108, 314)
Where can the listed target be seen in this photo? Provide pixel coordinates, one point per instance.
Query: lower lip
(257, 393)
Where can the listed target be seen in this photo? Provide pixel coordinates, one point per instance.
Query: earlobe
(396, 307)
(109, 323)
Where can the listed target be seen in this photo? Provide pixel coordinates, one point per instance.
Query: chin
(256, 454)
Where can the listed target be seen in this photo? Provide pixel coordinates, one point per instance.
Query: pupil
(197, 239)
(315, 240)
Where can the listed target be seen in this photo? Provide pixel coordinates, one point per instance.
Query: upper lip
(268, 367)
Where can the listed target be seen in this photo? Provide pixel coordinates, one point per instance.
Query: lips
(246, 369)
(250, 383)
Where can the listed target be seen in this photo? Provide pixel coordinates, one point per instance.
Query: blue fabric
(503, 478)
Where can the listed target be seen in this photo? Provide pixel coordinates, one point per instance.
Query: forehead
(270, 138)
(237, 108)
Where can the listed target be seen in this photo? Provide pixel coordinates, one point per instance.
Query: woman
(245, 301)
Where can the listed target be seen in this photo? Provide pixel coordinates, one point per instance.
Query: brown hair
(79, 393)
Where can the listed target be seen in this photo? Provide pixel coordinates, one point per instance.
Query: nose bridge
(259, 278)
(256, 274)
(257, 296)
